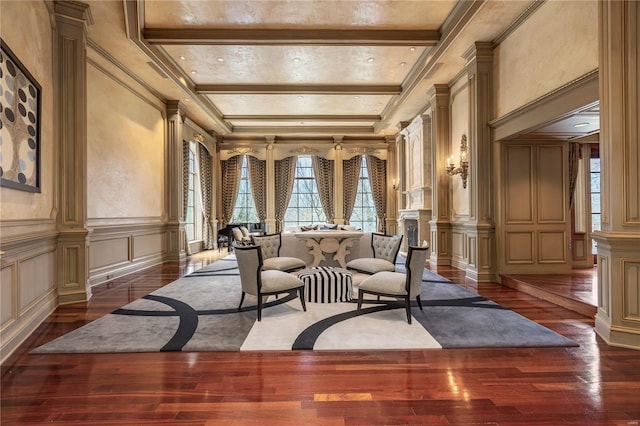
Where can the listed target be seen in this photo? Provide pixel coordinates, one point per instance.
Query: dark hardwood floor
(593, 384)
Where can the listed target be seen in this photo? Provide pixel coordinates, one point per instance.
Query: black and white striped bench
(325, 284)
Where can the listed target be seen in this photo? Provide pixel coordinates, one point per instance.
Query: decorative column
(72, 20)
(440, 224)
(391, 217)
(271, 185)
(618, 317)
(338, 179)
(176, 237)
(480, 228)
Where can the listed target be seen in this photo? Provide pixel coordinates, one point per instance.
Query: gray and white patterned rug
(198, 312)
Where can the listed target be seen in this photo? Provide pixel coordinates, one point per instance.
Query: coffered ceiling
(311, 68)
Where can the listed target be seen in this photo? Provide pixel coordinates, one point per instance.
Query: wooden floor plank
(592, 384)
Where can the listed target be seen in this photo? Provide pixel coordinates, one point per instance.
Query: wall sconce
(394, 185)
(463, 168)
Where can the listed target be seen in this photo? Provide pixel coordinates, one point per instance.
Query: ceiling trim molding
(287, 37)
(462, 14)
(133, 17)
(303, 117)
(278, 130)
(338, 89)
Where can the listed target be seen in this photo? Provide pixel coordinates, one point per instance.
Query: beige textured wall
(26, 28)
(556, 45)
(125, 151)
(460, 104)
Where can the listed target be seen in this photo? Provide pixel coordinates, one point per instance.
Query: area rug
(198, 312)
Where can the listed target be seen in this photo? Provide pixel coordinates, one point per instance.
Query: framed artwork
(19, 124)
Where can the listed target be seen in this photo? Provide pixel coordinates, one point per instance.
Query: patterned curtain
(351, 172)
(574, 160)
(258, 181)
(231, 170)
(185, 188)
(377, 169)
(285, 178)
(206, 179)
(323, 171)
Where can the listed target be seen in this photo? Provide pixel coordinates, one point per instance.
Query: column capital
(175, 107)
(73, 12)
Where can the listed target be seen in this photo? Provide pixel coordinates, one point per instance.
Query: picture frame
(20, 106)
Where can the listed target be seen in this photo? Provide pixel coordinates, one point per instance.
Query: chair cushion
(386, 282)
(282, 264)
(278, 280)
(370, 265)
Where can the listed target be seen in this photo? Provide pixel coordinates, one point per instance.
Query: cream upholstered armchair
(385, 250)
(270, 245)
(260, 283)
(241, 235)
(397, 284)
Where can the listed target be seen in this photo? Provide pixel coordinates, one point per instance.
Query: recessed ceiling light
(580, 124)
(220, 59)
(413, 49)
(357, 97)
(182, 58)
(296, 59)
(402, 64)
(194, 72)
(371, 59)
(187, 99)
(300, 96)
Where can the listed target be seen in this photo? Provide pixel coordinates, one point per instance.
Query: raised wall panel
(109, 252)
(551, 247)
(631, 271)
(518, 185)
(551, 184)
(147, 245)
(35, 280)
(519, 247)
(7, 295)
(604, 285)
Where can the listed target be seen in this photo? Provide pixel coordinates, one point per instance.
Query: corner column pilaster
(440, 224)
(176, 236)
(72, 20)
(618, 317)
(480, 229)
(271, 185)
(391, 217)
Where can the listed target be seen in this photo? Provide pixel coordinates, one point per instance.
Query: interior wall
(531, 63)
(27, 220)
(125, 177)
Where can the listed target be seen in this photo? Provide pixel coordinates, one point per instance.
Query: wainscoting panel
(519, 247)
(551, 247)
(27, 286)
(519, 199)
(631, 291)
(550, 187)
(604, 285)
(107, 253)
(117, 250)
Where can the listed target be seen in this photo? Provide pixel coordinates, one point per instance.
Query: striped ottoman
(324, 284)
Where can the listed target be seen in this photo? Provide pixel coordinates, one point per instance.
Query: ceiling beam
(286, 89)
(274, 37)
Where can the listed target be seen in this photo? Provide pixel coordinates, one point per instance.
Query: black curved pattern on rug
(188, 317)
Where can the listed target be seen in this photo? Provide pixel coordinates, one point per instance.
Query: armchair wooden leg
(360, 294)
(419, 302)
(241, 300)
(259, 307)
(408, 306)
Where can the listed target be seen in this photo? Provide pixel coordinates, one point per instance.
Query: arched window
(245, 209)
(364, 211)
(304, 206)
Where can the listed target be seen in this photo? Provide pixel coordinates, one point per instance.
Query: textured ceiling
(316, 68)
